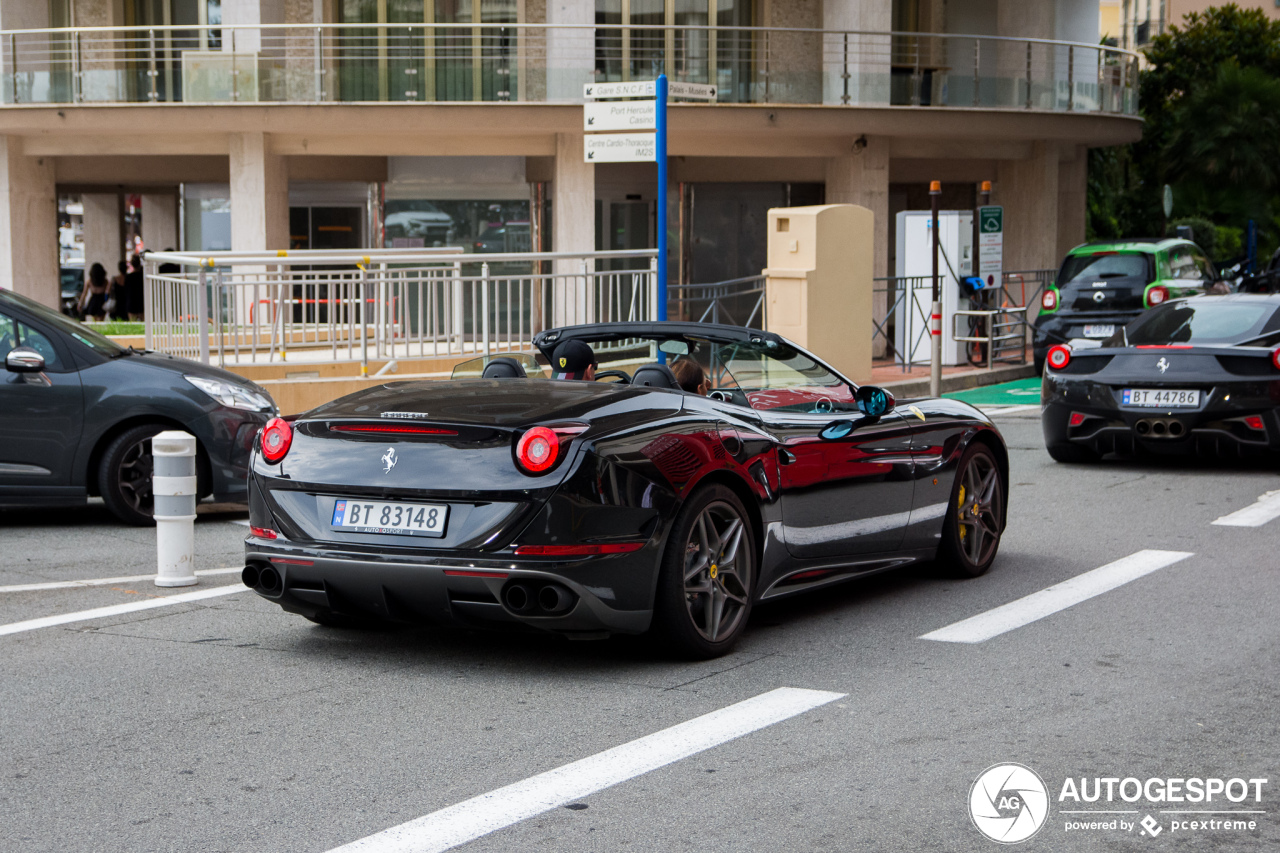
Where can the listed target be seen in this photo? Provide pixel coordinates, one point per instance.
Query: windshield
(1195, 322)
(474, 368)
(763, 375)
(94, 341)
(1103, 266)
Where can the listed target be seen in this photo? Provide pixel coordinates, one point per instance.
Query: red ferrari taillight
(263, 533)
(1255, 422)
(1275, 358)
(577, 550)
(1076, 419)
(1049, 300)
(537, 449)
(1157, 295)
(276, 438)
(1059, 356)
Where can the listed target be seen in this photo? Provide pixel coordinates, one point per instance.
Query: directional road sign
(621, 148)
(693, 91)
(634, 89)
(620, 115)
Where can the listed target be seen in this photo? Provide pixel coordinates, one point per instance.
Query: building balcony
(537, 63)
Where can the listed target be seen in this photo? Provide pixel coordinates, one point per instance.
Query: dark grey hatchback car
(78, 411)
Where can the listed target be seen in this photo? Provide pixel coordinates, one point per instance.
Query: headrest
(655, 376)
(504, 368)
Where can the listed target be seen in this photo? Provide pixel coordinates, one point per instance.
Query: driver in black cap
(573, 360)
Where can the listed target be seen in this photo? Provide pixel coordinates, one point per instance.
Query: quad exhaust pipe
(550, 599)
(1160, 428)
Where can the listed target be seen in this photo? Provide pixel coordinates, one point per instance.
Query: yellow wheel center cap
(714, 571)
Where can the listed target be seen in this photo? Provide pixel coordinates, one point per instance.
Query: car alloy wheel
(715, 590)
(707, 577)
(124, 475)
(975, 515)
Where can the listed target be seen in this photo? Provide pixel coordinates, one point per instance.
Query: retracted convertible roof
(546, 341)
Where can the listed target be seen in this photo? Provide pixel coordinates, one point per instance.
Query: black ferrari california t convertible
(1191, 375)
(619, 505)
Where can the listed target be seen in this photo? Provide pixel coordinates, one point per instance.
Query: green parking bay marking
(1020, 393)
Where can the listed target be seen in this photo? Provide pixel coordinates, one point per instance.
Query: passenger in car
(573, 360)
(691, 377)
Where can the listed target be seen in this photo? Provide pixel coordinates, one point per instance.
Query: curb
(906, 388)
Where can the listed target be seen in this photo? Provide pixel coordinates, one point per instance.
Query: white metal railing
(309, 62)
(319, 306)
(737, 302)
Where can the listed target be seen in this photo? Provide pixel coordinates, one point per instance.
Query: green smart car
(1102, 286)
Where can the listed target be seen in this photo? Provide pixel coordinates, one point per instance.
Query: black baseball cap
(571, 360)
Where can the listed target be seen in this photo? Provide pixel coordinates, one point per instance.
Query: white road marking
(1264, 509)
(1060, 596)
(35, 587)
(117, 609)
(479, 816)
(1010, 410)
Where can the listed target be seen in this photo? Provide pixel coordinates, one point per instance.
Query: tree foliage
(1210, 100)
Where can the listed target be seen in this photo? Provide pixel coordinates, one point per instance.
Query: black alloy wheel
(124, 475)
(975, 516)
(707, 578)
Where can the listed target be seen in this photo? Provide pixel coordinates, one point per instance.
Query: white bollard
(173, 483)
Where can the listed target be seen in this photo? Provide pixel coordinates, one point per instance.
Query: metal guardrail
(900, 308)
(322, 306)
(532, 63)
(737, 302)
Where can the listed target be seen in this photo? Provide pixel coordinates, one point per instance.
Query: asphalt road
(227, 724)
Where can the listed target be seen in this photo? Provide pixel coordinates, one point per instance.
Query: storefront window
(475, 227)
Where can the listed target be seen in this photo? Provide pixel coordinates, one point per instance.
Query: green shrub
(1230, 243)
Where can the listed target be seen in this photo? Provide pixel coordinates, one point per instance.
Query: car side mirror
(873, 402)
(24, 360)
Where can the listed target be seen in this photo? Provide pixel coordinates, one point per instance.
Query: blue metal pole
(661, 140)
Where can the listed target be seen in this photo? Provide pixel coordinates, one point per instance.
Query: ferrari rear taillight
(276, 438)
(263, 533)
(1275, 358)
(537, 449)
(1157, 295)
(1049, 300)
(1059, 356)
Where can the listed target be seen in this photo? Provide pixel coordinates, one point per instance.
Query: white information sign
(991, 242)
(621, 148)
(634, 89)
(693, 91)
(620, 115)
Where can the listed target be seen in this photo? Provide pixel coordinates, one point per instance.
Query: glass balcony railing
(530, 63)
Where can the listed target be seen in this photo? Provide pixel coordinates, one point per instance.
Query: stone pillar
(1073, 194)
(259, 195)
(103, 231)
(28, 224)
(160, 222)
(569, 52)
(1025, 18)
(864, 57)
(1028, 189)
(861, 177)
(573, 224)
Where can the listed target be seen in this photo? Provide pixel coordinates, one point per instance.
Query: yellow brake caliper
(960, 516)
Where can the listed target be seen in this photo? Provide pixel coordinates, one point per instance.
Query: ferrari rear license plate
(405, 519)
(1099, 330)
(1159, 399)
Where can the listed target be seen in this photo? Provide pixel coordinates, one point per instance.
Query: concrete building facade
(277, 124)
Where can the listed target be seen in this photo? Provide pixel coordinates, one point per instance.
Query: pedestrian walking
(116, 299)
(134, 289)
(94, 297)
